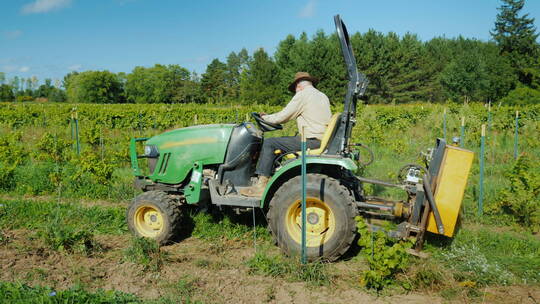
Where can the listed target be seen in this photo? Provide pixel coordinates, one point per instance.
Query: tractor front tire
(330, 213)
(155, 215)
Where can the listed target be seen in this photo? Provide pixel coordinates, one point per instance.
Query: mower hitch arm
(431, 200)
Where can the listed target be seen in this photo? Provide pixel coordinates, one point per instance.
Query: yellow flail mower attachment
(434, 195)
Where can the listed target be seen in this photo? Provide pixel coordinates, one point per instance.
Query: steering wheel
(264, 125)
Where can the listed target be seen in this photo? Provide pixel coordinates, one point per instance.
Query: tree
(516, 37)
(158, 84)
(57, 95)
(95, 87)
(260, 83)
(68, 78)
(2, 77)
(45, 89)
(465, 77)
(233, 75)
(6, 93)
(325, 63)
(15, 83)
(522, 96)
(213, 81)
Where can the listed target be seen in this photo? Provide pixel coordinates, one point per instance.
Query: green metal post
(77, 135)
(462, 139)
(481, 192)
(516, 136)
(72, 125)
(444, 124)
(489, 117)
(304, 249)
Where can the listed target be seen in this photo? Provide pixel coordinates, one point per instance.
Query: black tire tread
(332, 185)
(165, 203)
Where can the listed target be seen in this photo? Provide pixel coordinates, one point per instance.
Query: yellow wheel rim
(320, 222)
(148, 221)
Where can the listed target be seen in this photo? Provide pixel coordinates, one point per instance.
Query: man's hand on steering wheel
(265, 126)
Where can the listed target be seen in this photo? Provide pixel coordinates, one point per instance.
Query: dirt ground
(215, 273)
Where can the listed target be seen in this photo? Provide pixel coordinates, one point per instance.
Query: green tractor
(212, 163)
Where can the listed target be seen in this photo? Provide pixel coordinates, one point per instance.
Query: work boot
(256, 190)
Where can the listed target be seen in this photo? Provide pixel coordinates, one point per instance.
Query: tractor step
(231, 199)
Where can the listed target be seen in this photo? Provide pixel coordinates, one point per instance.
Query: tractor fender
(313, 165)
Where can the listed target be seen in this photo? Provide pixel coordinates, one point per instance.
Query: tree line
(400, 69)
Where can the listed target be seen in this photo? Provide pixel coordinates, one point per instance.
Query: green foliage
(22, 293)
(12, 155)
(33, 215)
(213, 82)
(217, 228)
(24, 98)
(52, 148)
(465, 76)
(482, 256)
(314, 273)
(6, 92)
(63, 237)
(95, 87)
(36, 178)
(471, 265)
(522, 96)
(145, 252)
(521, 200)
(516, 36)
(160, 84)
(11, 150)
(385, 256)
(93, 165)
(259, 83)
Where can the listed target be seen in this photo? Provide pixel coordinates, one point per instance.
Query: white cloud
(308, 10)
(24, 69)
(74, 67)
(12, 34)
(8, 68)
(44, 6)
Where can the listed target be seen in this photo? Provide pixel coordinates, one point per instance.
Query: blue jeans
(286, 144)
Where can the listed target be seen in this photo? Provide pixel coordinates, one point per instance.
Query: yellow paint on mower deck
(450, 187)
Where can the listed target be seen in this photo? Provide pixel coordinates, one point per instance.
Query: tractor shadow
(210, 221)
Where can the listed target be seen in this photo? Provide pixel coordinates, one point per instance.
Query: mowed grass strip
(486, 256)
(28, 214)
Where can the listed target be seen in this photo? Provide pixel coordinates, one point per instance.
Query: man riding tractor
(311, 109)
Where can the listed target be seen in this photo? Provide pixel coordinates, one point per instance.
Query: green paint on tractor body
(179, 149)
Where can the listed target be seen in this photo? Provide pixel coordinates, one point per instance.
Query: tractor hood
(179, 149)
(192, 135)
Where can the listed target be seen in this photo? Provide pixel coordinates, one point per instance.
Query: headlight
(151, 151)
(147, 150)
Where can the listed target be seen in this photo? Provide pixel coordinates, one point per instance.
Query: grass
(487, 256)
(145, 252)
(28, 214)
(180, 291)
(220, 226)
(289, 268)
(66, 238)
(22, 293)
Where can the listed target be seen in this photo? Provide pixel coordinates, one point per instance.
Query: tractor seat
(324, 142)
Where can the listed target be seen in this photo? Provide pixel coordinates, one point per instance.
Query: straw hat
(299, 77)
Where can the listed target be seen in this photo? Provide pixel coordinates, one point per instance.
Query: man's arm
(291, 111)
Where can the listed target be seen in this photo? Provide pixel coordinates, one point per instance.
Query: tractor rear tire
(155, 215)
(330, 213)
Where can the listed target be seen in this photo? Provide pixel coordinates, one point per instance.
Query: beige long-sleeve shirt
(311, 109)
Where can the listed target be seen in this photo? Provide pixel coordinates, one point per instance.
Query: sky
(50, 38)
